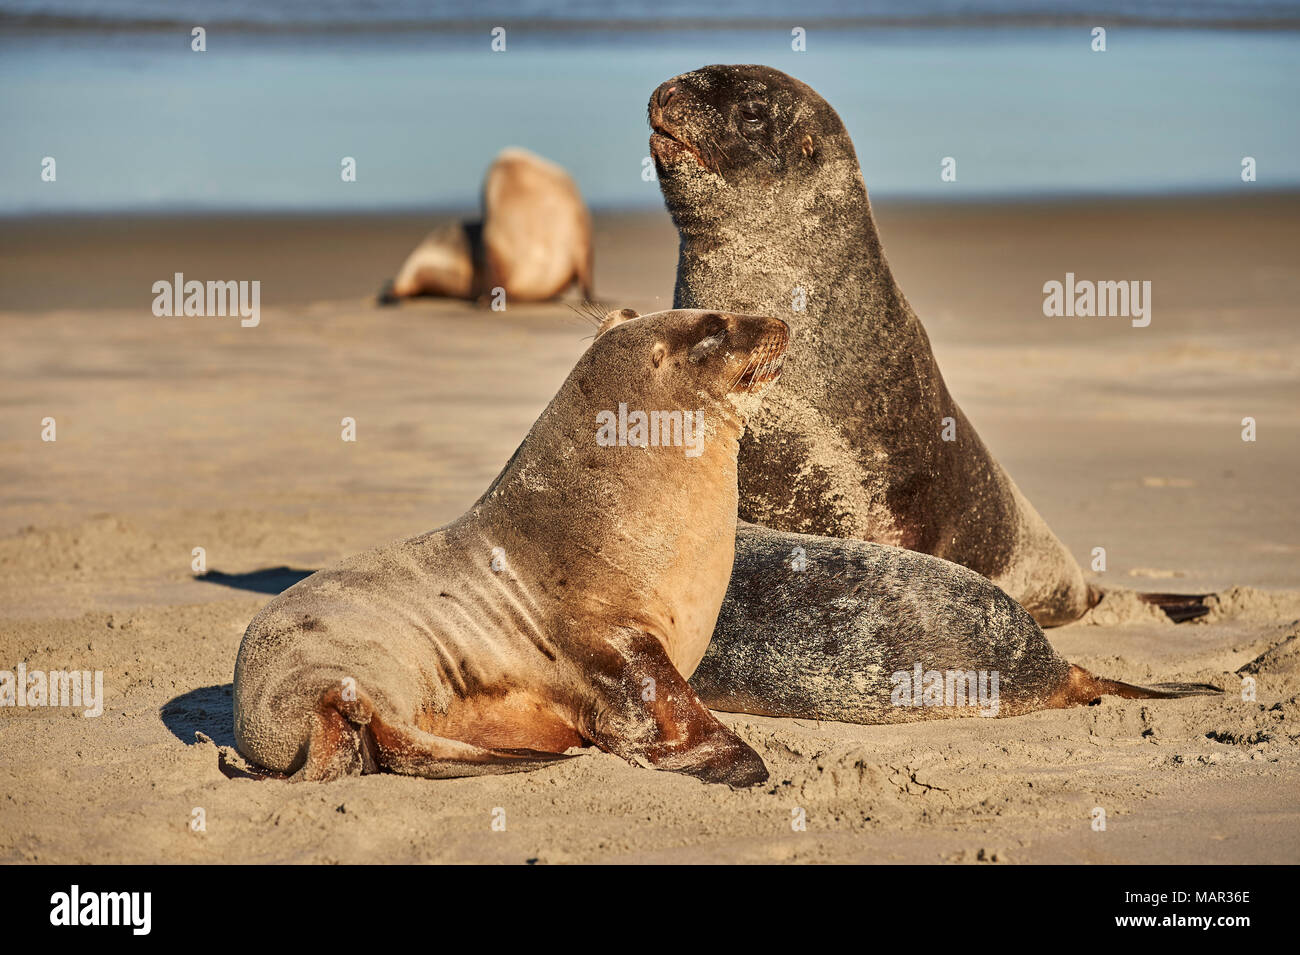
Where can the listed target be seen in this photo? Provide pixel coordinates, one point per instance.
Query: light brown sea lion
(563, 608)
(762, 181)
(533, 241)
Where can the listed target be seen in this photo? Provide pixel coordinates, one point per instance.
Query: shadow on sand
(209, 710)
(270, 580)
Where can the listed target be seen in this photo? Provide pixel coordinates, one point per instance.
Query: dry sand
(183, 433)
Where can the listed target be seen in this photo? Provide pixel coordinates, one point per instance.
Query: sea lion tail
(1082, 687)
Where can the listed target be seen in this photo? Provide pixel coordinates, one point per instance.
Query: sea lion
(826, 628)
(562, 609)
(533, 240)
(861, 439)
(443, 264)
(868, 633)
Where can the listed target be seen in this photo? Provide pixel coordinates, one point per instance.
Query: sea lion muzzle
(668, 114)
(766, 359)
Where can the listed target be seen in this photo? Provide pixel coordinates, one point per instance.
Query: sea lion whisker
(597, 310)
(724, 157)
(716, 154)
(739, 378)
(753, 375)
(582, 312)
(761, 374)
(741, 374)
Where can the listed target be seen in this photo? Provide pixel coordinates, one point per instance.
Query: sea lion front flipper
(413, 752)
(350, 737)
(646, 712)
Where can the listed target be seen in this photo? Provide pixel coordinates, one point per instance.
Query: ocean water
(352, 14)
(135, 120)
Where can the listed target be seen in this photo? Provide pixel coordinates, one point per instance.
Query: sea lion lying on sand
(562, 609)
(867, 633)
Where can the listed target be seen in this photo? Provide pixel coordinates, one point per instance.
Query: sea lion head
(683, 378)
(723, 136)
(686, 354)
(633, 464)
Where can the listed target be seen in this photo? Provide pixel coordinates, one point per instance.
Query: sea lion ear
(616, 317)
(808, 146)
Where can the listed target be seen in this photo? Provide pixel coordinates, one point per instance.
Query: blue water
(308, 14)
(135, 120)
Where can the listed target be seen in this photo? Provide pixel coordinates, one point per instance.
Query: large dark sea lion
(861, 439)
(533, 240)
(562, 609)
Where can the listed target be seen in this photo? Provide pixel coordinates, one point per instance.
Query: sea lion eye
(712, 325)
(751, 113)
(711, 331)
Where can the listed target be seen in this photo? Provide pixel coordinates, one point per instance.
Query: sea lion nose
(664, 94)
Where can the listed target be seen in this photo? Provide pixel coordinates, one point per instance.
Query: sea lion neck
(622, 510)
(649, 530)
(806, 250)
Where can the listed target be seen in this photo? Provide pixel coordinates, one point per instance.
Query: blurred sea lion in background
(533, 240)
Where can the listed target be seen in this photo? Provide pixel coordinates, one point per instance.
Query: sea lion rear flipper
(647, 713)
(1174, 691)
(1179, 607)
(1082, 687)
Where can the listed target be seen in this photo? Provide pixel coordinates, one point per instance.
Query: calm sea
(413, 91)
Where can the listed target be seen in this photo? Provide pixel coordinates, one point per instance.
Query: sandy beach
(179, 433)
